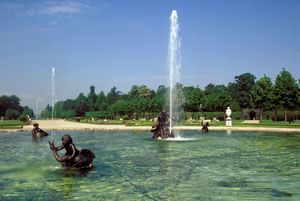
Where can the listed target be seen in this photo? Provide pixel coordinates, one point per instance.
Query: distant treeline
(10, 108)
(245, 94)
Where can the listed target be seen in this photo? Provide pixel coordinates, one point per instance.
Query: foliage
(262, 94)
(92, 99)
(193, 97)
(9, 102)
(12, 113)
(216, 98)
(47, 112)
(240, 89)
(23, 118)
(286, 91)
(27, 111)
(141, 102)
(99, 114)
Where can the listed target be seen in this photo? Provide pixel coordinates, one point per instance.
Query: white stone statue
(228, 119)
(228, 112)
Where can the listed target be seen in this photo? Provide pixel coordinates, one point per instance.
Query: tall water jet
(53, 97)
(36, 109)
(174, 65)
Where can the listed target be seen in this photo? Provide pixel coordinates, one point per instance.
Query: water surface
(131, 166)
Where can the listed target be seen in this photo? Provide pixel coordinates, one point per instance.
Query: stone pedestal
(228, 121)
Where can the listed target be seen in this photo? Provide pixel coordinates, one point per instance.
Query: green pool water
(132, 166)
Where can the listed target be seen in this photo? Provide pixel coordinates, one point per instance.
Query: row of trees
(141, 101)
(10, 108)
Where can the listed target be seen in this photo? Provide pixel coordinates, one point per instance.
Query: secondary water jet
(53, 98)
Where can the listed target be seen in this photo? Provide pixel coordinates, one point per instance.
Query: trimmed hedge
(99, 114)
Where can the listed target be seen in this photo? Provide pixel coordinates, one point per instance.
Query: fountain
(174, 65)
(163, 128)
(53, 98)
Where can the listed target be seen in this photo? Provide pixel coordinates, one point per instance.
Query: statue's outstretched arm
(59, 148)
(55, 149)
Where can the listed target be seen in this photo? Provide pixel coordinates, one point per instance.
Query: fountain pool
(131, 166)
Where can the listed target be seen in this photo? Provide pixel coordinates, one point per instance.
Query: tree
(12, 113)
(4, 105)
(145, 91)
(216, 98)
(14, 103)
(69, 104)
(27, 111)
(113, 95)
(193, 97)
(262, 94)
(9, 102)
(92, 99)
(81, 105)
(101, 102)
(240, 89)
(47, 112)
(134, 92)
(140, 91)
(286, 90)
(65, 109)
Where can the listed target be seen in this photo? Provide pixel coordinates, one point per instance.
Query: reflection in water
(130, 166)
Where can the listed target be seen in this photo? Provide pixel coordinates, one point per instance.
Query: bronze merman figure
(205, 127)
(38, 132)
(161, 130)
(73, 157)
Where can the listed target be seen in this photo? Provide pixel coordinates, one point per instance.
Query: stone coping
(60, 124)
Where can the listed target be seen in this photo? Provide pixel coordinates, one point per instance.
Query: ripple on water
(134, 167)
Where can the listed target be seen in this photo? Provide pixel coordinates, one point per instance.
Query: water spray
(174, 64)
(53, 99)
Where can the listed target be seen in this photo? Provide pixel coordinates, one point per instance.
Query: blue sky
(125, 42)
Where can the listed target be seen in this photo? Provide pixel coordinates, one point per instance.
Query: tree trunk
(275, 114)
(285, 115)
(261, 114)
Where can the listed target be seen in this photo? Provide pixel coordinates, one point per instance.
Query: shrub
(23, 118)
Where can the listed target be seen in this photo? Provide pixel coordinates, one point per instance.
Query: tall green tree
(47, 112)
(286, 90)
(217, 98)
(12, 113)
(158, 101)
(134, 92)
(64, 109)
(69, 104)
(113, 95)
(10, 102)
(262, 94)
(4, 105)
(92, 99)
(240, 89)
(101, 102)
(28, 111)
(193, 97)
(81, 105)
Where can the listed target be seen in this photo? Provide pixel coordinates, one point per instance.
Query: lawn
(235, 123)
(11, 124)
(263, 123)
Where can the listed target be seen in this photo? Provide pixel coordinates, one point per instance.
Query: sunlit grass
(235, 123)
(263, 123)
(11, 124)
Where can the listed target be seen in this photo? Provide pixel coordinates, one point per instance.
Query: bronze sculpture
(73, 157)
(162, 129)
(38, 132)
